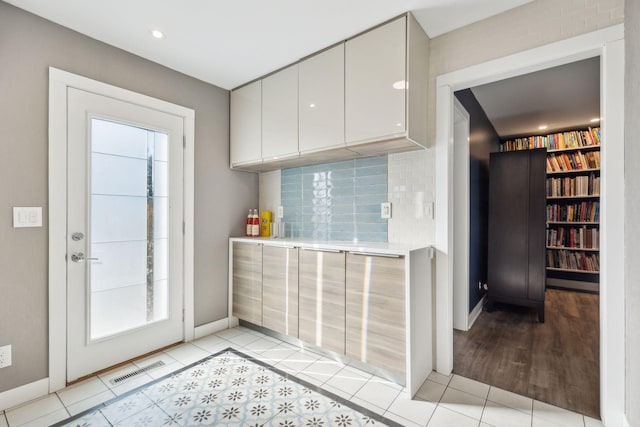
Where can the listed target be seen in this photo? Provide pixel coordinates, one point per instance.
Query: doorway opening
(554, 360)
(608, 45)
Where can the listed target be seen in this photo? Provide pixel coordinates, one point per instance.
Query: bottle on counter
(249, 223)
(265, 224)
(255, 224)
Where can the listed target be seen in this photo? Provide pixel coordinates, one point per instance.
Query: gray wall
(483, 139)
(28, 46)
(632, 207)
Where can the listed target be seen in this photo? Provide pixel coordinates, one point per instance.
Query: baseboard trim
(475, 313)
(24, 393)
(211, 328)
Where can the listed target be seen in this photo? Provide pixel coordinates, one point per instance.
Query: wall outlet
(5, 356)
(430, 209)
(385, 210)
(280, 212)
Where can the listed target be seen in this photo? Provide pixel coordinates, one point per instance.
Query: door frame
(608, 44)
(59, 81)
(461, 130)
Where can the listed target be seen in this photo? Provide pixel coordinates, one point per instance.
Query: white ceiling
(228, 43)
(562, 97)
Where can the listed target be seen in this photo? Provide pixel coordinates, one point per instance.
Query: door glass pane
(128, 213)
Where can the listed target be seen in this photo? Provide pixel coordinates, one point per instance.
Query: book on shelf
(585, 185)
(589, 137)
(575, 161)
(587, 211)
(573, 260)
(573, 237)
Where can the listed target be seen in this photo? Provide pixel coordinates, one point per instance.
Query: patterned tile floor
(228, 389)
(442, 400)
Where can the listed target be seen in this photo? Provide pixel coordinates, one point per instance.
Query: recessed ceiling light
(542, 127)
(597, 119)
(312, 105)
(157, 34)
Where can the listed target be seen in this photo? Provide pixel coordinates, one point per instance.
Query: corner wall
(632, 209)
(29, 45)
(483, 139)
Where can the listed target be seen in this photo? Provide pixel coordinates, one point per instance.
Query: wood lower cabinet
(280, 289)
(322, 299)
(247, 282)
(375, 311)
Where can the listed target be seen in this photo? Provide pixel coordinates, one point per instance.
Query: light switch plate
(27, 217)
(385, 210)
(280, 212)
(430, 210)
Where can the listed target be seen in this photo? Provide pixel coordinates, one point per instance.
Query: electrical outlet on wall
(5, 356)
(385, 210)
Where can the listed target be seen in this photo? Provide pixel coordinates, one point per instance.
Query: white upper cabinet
(321, 101)
(367, 96)
(280, 114)
(246, 124)
(375, 76)
(386, 77)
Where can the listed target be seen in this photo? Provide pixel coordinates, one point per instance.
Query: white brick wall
(411, 183)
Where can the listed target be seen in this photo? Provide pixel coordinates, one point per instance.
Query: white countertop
(372, 247)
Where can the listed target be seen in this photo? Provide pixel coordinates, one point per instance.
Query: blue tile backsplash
(336, 201)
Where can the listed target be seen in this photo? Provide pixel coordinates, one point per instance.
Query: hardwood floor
(556, 362)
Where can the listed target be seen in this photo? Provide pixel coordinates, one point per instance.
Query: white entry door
(124, 231)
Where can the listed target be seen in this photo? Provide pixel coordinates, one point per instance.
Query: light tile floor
(442, 401)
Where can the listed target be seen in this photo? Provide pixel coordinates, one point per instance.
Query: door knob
(79, 257)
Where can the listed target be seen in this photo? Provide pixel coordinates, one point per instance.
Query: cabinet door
(280, 289)
(280, 114)
(321, 101)
(246, 124)
(375, 75)
(375, 323)
(322, 299)
(247, 282)
(508, 256)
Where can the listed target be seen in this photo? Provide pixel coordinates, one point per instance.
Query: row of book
(576, 186)
(573, 161)
(587, 211)
(574, 260)
(573, 237)
(556, 141)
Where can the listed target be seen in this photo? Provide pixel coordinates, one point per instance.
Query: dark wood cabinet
(517, 203)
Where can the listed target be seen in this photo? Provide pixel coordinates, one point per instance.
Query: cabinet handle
(335, 251)
(376, 254)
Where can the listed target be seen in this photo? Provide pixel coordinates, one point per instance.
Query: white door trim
(608, 44)
(58, 82)
(461, 216)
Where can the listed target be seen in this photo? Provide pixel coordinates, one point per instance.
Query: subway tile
(370, 200)
(363, 181)
(320, 201)
(372, 228)
(369, 217)
(368, 208)
(372, 170)
(285, 173)
(371, 161)
(371, 237)
(342, 174)
(378, 190)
